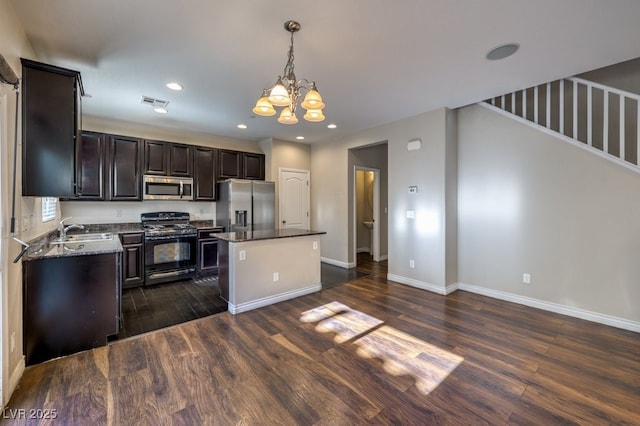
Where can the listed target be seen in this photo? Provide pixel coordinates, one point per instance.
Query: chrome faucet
(62, 230)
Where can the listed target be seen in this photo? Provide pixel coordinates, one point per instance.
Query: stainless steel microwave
(167, 188)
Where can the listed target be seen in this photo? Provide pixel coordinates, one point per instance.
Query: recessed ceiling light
(174, 86)
(300, 138)
(503, 51)
(160, 110)
(332, 126)
(242, 126)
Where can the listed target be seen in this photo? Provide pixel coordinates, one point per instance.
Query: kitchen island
(259, 268)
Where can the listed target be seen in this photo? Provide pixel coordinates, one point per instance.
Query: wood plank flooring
(369, 351)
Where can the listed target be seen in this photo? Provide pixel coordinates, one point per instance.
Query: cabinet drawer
(132, 238)
(208, 233)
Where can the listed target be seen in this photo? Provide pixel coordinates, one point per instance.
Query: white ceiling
(374, 61)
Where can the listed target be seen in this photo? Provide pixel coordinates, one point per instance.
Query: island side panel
(223, 268)
(252, 280)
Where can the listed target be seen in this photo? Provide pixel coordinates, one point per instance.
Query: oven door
(169, 258)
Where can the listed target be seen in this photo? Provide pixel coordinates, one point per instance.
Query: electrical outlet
(276, 277)
(411, 214)
(526, 278)
(315, 245)
(242, 254)
(412, 263)
(118, 212)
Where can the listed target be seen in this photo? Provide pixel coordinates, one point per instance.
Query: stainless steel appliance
(167, 188)
(246, 205)
(169, 247)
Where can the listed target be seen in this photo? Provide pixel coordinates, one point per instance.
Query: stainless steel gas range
(170, 247)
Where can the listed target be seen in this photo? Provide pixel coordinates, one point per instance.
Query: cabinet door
(253, 165)
(132, 259)
(204, 174)
(229, 164)
(124, 168)
(91, 161)
(180, 160)
(49, 129)
(156, 158)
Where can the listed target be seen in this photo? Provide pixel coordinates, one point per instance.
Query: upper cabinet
(124, 158)
(51, 116)
(167, 159)
(240, 165)
(204, 166)
(91, 160)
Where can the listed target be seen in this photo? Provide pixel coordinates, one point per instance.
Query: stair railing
(601, 117)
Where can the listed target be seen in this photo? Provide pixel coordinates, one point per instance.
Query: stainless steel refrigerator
(246, 205)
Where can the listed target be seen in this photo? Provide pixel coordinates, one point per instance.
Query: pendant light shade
(314, 115)
(287, 91)
(279, 95)
(313, 100)
(287, 117)
(263, 106)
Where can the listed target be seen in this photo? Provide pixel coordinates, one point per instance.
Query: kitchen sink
(83, 238)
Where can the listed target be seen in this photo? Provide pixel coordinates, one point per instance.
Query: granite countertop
(41, 247)
(272, 234)
(201, 224)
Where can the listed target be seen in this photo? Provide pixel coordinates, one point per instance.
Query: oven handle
(171, 274)
(181, 189)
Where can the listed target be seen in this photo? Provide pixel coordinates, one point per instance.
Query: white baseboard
(347, 265)
(265, 301)
(382, 258)
(423, 285)
(553, 307)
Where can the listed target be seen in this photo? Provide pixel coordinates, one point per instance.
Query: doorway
(366, 211)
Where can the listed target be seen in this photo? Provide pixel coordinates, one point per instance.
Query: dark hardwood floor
(150, 308)
(369, 351)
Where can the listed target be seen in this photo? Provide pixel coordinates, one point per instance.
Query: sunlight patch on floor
(401, 353)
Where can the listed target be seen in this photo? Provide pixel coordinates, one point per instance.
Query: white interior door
(294, 198)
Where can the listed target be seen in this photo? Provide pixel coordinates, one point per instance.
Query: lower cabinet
(208, 251)
(132, 259)
(71, 304)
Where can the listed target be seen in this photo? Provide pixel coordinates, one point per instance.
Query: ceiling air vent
(156, 104)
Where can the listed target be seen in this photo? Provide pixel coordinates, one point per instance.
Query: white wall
(421, 239)
(531, 203)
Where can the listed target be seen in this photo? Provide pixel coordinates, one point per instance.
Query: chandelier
(287, 91)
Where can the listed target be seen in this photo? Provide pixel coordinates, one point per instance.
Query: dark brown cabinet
(253, 166)
(167, 159)
(91, 161)
(51, 116)
(132, 259)
(70, 304)
(240, 165)
(180, 160)
(125, 179)
(156, 158)
(208, 251)
(204, 172)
